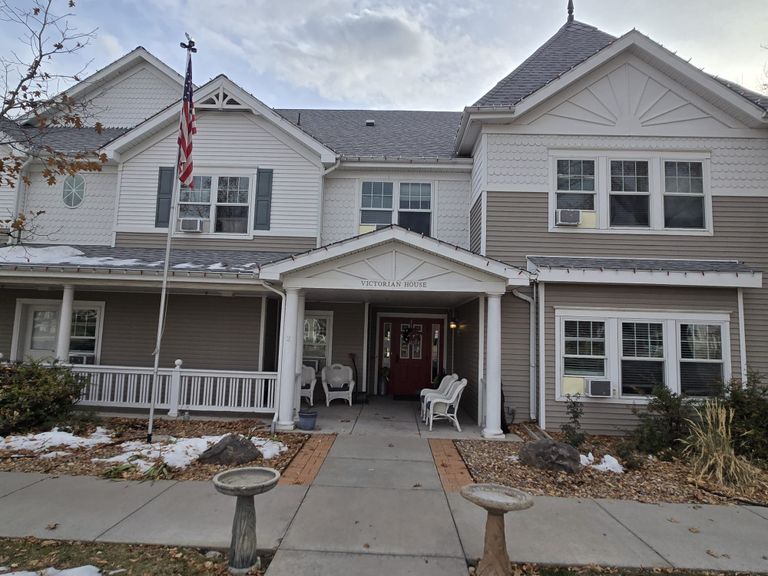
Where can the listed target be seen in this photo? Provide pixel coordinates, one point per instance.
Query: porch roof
(654, 271)
(512, 275)
(139, 261)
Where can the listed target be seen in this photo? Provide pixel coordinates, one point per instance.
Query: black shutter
(164, 194)
(263, 210)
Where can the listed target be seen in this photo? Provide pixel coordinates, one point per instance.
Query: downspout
(325, 173)
(280, 293)
(742, 338)
(531, 347)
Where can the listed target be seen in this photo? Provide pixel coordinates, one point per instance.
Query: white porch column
(65, 324)
(288, 361)
(493, 370)
(299, 350)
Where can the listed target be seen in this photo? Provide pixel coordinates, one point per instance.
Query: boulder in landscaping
(550, 455)
(231, 450)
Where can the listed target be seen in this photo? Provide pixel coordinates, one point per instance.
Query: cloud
(381, 55)
(109, 45)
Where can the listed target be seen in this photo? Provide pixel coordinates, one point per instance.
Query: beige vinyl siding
(236, 140)
(348, 331)
(605, 418)
(517, 226)
(466, 350)
(515, 356)
(476, 226)
(287, 244)
(206, 332)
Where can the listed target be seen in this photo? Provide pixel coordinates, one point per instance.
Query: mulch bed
(79, 461)
(656, 481)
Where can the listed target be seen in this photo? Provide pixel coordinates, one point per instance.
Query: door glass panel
(435, 351)
(44, 327)
(316, 342)
(416, 342)
(405, 336)
(387, 355)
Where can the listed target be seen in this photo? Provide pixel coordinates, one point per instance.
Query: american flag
(186, 128)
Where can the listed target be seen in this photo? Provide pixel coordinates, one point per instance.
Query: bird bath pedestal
(497, 501)
(244, 483)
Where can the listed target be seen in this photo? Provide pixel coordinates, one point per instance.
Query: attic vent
(370, 122)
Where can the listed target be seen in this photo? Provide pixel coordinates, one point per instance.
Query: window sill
(631, 231)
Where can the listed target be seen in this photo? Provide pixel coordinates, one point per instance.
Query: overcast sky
(408, 54)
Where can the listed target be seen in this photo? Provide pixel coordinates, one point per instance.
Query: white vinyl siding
(239, 142)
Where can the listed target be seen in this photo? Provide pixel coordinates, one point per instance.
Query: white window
(647, 192)
(684, 195)
(642, 357)
(376, 204)
(637, 351)
(222, 202)
(584, 348)
(83, 336)
(630, 203)
(73, 191)
(576, 184)
(701, 359)
(415, 207)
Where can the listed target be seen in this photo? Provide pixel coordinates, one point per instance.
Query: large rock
(231, 450)
(550, 455)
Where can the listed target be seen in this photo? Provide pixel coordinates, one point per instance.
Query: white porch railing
(179, 389)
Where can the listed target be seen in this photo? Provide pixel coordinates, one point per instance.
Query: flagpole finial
(190, 44)
(570, 10)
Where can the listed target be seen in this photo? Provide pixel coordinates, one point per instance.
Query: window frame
(671, 321)
(68, 182)
(723, 353)
(612, 192)
(677, 194)
(604, 356)
(622, 357)
(215, 174)
(656, 192)
(582, 192)
(396, 182)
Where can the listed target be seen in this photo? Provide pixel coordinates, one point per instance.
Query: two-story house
(593, 225)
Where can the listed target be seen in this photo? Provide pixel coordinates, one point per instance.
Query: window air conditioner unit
(191, 224)
(567, 217)
(599, 388)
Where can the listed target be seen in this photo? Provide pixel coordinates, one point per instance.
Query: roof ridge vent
(370, 122)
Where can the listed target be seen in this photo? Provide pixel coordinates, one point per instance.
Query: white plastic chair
(308, 381)
(447, 408)
(429, 397)
(337, 383)
(440, 390)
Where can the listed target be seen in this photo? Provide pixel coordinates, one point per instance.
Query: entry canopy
(394, 259)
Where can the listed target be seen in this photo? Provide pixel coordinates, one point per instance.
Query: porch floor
(383, 416)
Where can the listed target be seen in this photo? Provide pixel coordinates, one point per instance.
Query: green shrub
(33, 395)
(572, 432)
(628, 455)
(664, 423)
(749, 404)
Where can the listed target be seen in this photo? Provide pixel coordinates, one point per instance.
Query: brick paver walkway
(306, 464)
(450, 466)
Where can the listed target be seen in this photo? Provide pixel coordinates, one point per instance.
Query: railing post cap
(178, 362)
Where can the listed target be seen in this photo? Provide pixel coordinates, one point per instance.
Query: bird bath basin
(244, 483)
(497, 500)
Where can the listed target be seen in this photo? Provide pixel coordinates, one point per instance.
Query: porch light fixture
(452, 324)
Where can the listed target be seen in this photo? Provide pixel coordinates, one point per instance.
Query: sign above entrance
(407, 284)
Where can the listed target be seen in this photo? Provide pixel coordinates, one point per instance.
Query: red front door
(411, 351)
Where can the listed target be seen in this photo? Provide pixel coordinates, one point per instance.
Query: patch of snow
(180, 453)
(217, 266)
(79, 571)
(609, 464)
(44, 440)
(54, 454)
(587, 460)
(156, 263)
(58, 255)
(513, 458)
(186, 265)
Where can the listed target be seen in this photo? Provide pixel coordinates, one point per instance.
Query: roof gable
(571, 45)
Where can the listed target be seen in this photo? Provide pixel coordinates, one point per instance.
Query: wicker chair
(337, 383)
(308, 381)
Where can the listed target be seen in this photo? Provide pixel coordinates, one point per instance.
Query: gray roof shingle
(396, 133)
(65, 139)
(651, 265)
(571, 45)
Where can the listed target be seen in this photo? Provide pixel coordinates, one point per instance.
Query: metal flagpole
(190, 48)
